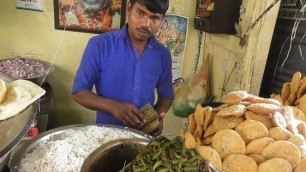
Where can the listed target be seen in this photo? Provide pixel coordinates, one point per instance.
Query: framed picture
(173, 35)
(95, 16)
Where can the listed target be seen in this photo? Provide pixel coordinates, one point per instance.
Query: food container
(36, 79)
(12, 131)
(4, 160)
(44, 137)
(121, 151)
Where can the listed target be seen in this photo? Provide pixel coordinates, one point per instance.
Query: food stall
(221, 130)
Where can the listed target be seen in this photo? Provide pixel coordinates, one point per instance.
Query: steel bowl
(121, 151)
(45, 136)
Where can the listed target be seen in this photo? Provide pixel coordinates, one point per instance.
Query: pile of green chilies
(164, 155)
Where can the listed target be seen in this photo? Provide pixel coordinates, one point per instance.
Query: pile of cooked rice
(67, 151)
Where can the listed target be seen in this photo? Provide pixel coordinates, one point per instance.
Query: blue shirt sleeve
(164, 85)
(89, 69)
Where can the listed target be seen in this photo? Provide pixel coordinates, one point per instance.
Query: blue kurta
(112, 64)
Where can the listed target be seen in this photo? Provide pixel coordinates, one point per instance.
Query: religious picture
(172, 34)
(96, 16)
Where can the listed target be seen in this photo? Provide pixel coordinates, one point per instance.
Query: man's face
(142, 22)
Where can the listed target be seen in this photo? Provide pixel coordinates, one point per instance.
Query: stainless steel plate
(44, 137)
(14, 128)
(37, 80)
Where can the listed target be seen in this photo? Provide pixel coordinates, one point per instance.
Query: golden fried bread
(281, 149)
(302, 149)
(208, 117)
(264, 119)
(275, 164)
(235, 110)
(267, 100)
(256, 146)
(263, 108)
(278, 120)
(228, 142)
(221, 123)
(210, 154)
(302, 89)
(239, 163)
(182, 133)
(257, 158)
(207, 140)
(302, 129)
(297, 139)
(295, 82)
(285, 91)
(234, 97)
(301, 166)
(287, 112)
(298, 114)
(190, 141)
(198, 132)
(279, 98)
(217, 109)
(291, 99)
(279, 133)
(302, 105)
(199, 115)
(250, 130)
(191, 123)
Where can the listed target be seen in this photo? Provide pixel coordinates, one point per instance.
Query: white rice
(67, 151)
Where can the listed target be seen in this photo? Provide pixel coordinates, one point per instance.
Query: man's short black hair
(155, 6)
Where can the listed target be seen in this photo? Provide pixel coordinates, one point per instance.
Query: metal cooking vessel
(37, 80)
(44, 137)
(12, 131)
(121, 151)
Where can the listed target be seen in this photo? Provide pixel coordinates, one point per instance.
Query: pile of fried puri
(293, 93)
(250, 134)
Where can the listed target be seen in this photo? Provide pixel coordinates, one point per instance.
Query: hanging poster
(173, 34)
(35, 5)
(94, 16)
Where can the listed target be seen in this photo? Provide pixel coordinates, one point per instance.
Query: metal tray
(13, 129)
(44, 137)
(37, 80)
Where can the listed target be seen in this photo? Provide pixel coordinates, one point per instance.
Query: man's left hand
(160, 127)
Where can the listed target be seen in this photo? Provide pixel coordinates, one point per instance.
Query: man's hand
(129, 115)
(160, 127)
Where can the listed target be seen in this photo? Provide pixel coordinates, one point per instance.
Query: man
(126, 66)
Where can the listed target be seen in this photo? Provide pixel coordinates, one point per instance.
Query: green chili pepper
(177, 156)
(139, 169)
(156, 165)
(163, 170)
(157, 154)
(142, 161)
